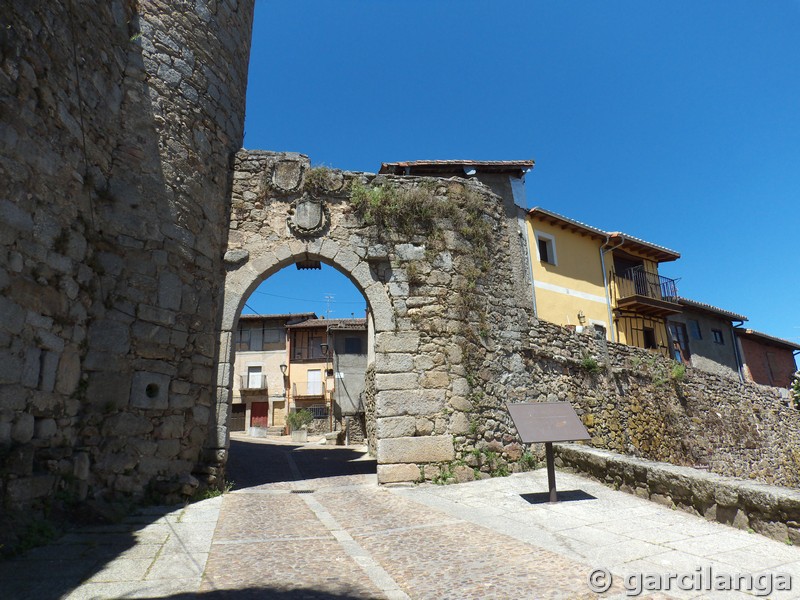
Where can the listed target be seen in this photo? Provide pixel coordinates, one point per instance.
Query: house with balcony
(584, 276)
(327, 364)
(308, 370)
(260, 356)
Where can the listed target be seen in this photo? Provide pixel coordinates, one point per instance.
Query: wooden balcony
(645, 293)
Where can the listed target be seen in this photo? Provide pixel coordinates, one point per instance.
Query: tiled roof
(538, 211)
(419, 167)
(702, 306)
(332, 324)
(285, 316)
(763, 337)
(352, 324)
(653, 251)
(665, 254)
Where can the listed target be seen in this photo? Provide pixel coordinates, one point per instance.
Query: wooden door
(259, 414)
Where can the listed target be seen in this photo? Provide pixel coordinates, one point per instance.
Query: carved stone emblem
(308, 216)
(287, 175)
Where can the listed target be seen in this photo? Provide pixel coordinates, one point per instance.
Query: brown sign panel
(539, 422)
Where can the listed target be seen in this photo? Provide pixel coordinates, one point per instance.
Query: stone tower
(119, 123)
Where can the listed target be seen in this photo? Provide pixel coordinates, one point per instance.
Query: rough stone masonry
(448, 325)
(132, 227)
(119, 123)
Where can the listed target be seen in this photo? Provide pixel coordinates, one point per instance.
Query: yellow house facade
(308, 376)
(584, 276)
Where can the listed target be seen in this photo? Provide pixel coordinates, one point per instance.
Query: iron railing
(308, 388)
(253, 381)
(638, 282)
(313, 353)
(320, 411)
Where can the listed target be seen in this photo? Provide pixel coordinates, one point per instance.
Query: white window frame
(551, 246)
(602, 324)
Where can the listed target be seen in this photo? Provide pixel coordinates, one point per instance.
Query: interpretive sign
(547, 422)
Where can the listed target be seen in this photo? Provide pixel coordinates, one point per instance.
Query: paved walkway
(338, 535)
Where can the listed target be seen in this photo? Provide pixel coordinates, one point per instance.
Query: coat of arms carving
(308, 216)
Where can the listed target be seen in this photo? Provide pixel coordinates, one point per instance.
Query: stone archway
(444, 315)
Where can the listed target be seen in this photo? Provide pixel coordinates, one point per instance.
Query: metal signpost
(547, 422)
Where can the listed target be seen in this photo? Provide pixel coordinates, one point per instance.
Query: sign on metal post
(547, 422)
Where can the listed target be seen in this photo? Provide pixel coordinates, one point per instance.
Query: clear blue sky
(676, 122)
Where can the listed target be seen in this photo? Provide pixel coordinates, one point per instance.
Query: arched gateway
(431, 258)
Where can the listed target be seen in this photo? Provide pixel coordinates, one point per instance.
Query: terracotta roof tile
(712, 309)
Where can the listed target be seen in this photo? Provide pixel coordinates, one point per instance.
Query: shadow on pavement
(55, 570)
(565, 496)
(263, 593)
(253, 463)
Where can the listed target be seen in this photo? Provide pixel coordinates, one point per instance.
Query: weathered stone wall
(369, 410)
(633, 402)
(432, 259)
(770, 510)
(119, 122)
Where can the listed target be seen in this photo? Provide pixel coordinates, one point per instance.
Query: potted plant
(298, 421)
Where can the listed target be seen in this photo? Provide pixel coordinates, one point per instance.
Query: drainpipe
(735, 340)
(523, 232)
(605, 281)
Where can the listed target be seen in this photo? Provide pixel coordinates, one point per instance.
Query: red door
(259, 414)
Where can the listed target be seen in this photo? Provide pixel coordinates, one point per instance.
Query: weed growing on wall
(396, 212)
(795, 390)
(678, 372)
(589, 364)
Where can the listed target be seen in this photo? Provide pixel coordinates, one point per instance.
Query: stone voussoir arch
(439, 287)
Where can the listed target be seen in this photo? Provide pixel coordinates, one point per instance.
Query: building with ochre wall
(585, 276)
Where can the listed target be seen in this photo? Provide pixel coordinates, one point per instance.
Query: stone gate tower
(120, 120)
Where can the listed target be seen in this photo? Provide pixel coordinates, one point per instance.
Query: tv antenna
(328, 299)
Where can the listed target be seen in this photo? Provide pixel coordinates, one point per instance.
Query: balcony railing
(253, 381)
(308, 354)
(638, 282)
(306, 389)
(320, 411)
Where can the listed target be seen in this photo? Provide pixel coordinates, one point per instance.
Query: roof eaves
(664, 254)
(767, 338)
(518, 166)
(711, 309)
(538, 210)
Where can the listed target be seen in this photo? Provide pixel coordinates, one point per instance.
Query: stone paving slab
(158, 552)
(610, 529)
(347, 538)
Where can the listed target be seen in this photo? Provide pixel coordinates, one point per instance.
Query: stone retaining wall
(770, 510)
(633, 403)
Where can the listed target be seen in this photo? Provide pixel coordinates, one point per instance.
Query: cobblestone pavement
(337, 534)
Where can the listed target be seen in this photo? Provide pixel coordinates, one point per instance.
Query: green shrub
(528, 461)
(590, 364)
(299, 419)
(678, 372)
